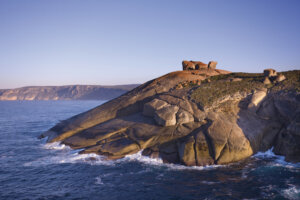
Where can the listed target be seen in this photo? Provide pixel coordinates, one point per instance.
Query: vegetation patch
(217, 87)
(220, 86)
(292, 82)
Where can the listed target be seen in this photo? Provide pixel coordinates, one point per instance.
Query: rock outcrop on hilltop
(69, 92)
(193, 117)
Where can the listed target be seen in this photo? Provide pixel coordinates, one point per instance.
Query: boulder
(280, 78)
(257, 97)
(212, 64)
(188, 65)
(200, 65)
(267, 81)
(270, 72)
(166, 116)
(152, 106)
(192, 65)
(184, 117)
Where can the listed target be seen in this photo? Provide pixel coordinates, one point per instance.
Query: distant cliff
(70, 92)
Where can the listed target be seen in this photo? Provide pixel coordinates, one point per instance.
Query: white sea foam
(56, 146)
(138, 157)
(292, 192)
(210, 182)
(99, 181)
(64, 154)
(279, 160)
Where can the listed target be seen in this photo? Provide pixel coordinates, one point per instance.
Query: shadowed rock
(270, 72)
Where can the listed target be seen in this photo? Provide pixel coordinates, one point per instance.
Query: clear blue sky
(108, 42)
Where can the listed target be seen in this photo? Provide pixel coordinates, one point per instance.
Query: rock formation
(270, 72)
(225, 118)
(197, 65)
(212, 64)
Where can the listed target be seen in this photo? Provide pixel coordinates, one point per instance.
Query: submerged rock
(216, 122)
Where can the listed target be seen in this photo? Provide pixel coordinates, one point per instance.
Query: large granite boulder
(188, 65)
(212, 64)
(200, 65)
(217, 122)
(184, 117)
(280, 78)
(192, 65)
(166, 116)
(152, 106)
(270, 72)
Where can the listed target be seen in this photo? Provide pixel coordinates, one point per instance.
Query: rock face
(166, 116)
(197, 65)
(193, 65)
(216, 122)
(188, 65)
(270, 72)
(212, 64)
(72, 92)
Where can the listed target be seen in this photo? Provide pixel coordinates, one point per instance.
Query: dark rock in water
(216, 122)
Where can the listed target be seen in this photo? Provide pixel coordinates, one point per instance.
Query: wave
(56, 146)
(293, 192)
(279, 160)
(138, 157)
(64, 154)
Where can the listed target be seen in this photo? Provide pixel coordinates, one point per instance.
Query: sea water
(32, 169)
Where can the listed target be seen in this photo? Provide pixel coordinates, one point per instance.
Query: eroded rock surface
(215, 122)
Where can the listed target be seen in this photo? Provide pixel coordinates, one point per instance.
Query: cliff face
(72, 92)
(197, 117)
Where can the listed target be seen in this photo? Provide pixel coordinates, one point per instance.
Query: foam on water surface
(138, 157)
(278, 160)
(293, 192)
(64, 154)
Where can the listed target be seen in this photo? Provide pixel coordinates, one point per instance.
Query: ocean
(32, 169)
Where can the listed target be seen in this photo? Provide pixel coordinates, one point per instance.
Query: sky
(108, 42)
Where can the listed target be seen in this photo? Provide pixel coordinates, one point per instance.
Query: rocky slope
(193, 117)
(71, 92)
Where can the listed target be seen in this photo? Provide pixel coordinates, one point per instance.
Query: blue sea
(32, 169)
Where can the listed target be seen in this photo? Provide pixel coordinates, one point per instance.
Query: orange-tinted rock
(270, 72)
(188, 65)
(280, 78)
(212, 64)
(200, 65)
(267, 81)
(192, 65)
